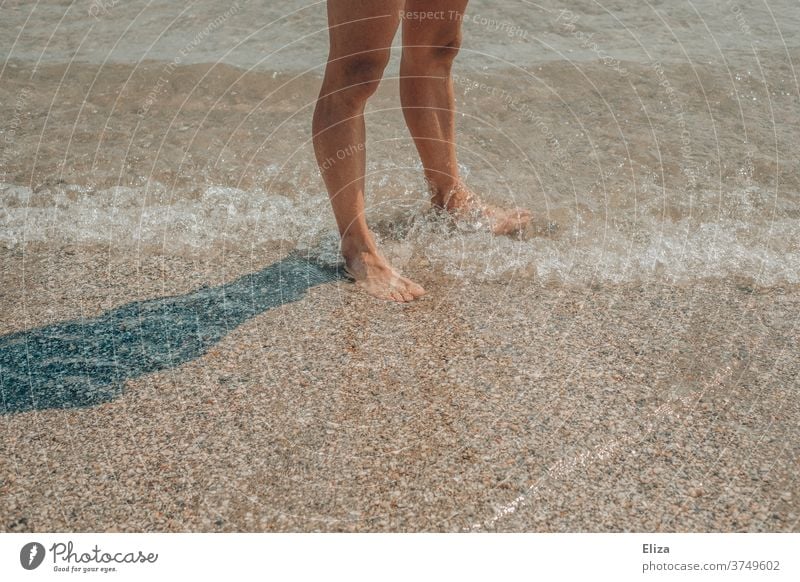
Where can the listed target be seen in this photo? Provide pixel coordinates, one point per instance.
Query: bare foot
(375, 275)
(463, 204)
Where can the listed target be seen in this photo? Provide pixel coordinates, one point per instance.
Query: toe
(415, 289)
(386, 296)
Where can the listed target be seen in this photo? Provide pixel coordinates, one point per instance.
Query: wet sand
(484, 406)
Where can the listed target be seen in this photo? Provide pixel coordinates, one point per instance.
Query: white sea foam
(646, 248)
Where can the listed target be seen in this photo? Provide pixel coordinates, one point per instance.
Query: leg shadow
(85, 362)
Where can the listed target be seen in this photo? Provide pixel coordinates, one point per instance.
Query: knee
(355, 79)
(437, 52)
(446, 51)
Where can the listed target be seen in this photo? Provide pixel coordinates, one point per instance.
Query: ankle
(355, 245)
(441, 190)
(453, 196)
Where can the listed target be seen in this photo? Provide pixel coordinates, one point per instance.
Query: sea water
(652, 141)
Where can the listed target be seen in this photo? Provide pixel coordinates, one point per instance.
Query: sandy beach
(492, 406)
(181, 351)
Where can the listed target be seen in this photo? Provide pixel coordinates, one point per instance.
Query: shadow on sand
(85, 362)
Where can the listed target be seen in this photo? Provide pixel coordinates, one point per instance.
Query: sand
(512, 406)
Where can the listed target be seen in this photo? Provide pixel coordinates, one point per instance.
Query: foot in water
(463, 204)
(373, 273)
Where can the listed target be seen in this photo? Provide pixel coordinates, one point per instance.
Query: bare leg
(426, 92)
(361, 33)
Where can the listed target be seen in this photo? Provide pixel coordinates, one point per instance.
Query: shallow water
(654, 141)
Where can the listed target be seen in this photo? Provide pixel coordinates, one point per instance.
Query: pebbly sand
(180, 352)
(509, 407)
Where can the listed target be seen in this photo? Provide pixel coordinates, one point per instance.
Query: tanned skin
(361, 33)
